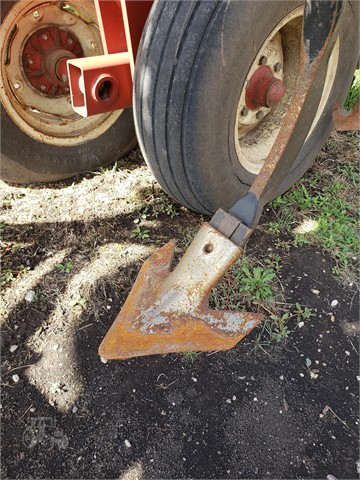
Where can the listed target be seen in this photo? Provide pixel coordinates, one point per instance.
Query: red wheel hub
(44, 60)
(263, 90)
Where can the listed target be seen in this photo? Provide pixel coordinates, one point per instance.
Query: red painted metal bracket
(104, 83)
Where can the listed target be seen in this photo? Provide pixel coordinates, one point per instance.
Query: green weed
(65, 267)
(140, 234)
(257, 281)
(354, 93)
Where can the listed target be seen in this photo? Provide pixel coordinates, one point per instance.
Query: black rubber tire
(189, 74)
(24, 160)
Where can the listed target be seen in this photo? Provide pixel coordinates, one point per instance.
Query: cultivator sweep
(168, 311)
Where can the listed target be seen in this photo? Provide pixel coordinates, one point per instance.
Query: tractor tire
(42, 139)
(194, 62)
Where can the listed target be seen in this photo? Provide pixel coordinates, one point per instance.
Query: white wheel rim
(49, 120)
(255, 137)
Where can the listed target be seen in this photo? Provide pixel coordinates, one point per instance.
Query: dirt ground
(71, 252)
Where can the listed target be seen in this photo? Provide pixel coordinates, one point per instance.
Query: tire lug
(244, 111)
(260, 115)
(36, 15)
(277, 67)
(263, 60)
(44, 37)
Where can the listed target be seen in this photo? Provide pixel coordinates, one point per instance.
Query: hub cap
(44, 60)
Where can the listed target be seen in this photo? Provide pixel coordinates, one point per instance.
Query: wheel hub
(44, 60)
(263, 90)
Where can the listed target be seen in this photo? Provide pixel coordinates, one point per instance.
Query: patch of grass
(276, 328)
(328, 213)
(354, 93)
(191, 356)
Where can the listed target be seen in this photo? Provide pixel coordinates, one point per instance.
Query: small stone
(55, 347)
(228, 400)
(194, 379)
(75, 409)
(313, 375)
(30, 296)
(301, 324)
(13, 348)
(281, 377)
(127, 444)
(104, 360)
(332, 318)
(331, 477)
(358, 378)
(234, 397)
(16, 378)
(315, 291)
(32, 409)
(347, 352)
(321, 415)
(301, 374)
(334, 303)
(108, 307)
(255, 399)
(308, 362)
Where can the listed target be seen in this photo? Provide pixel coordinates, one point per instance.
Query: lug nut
(30, 61)
(260, 115)
(16, 86)
(244, 111)
(44, 37)
(263, 60)
(277, 67)
(70, 41)
(42, 88)
(36, 15)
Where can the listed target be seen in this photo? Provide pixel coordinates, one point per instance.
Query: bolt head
(42, 88)
(36, 14)
(277, 67)
(70, 41)
(30, 61)
(44, 37)
(260, 115)
(17, 86)
(263, 60)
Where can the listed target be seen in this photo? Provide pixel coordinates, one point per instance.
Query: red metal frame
(104, 83)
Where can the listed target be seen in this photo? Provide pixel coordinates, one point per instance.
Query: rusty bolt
(44, 37)
(244, 111)
(42, 88)
(17, 86)
(277, 67)
(260, 115)
(263, 60)
(36, 15)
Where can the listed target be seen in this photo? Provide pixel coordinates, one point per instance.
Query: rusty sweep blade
(168, 311)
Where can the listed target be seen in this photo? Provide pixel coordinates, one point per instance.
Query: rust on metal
(345, 120)
(168, 311)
